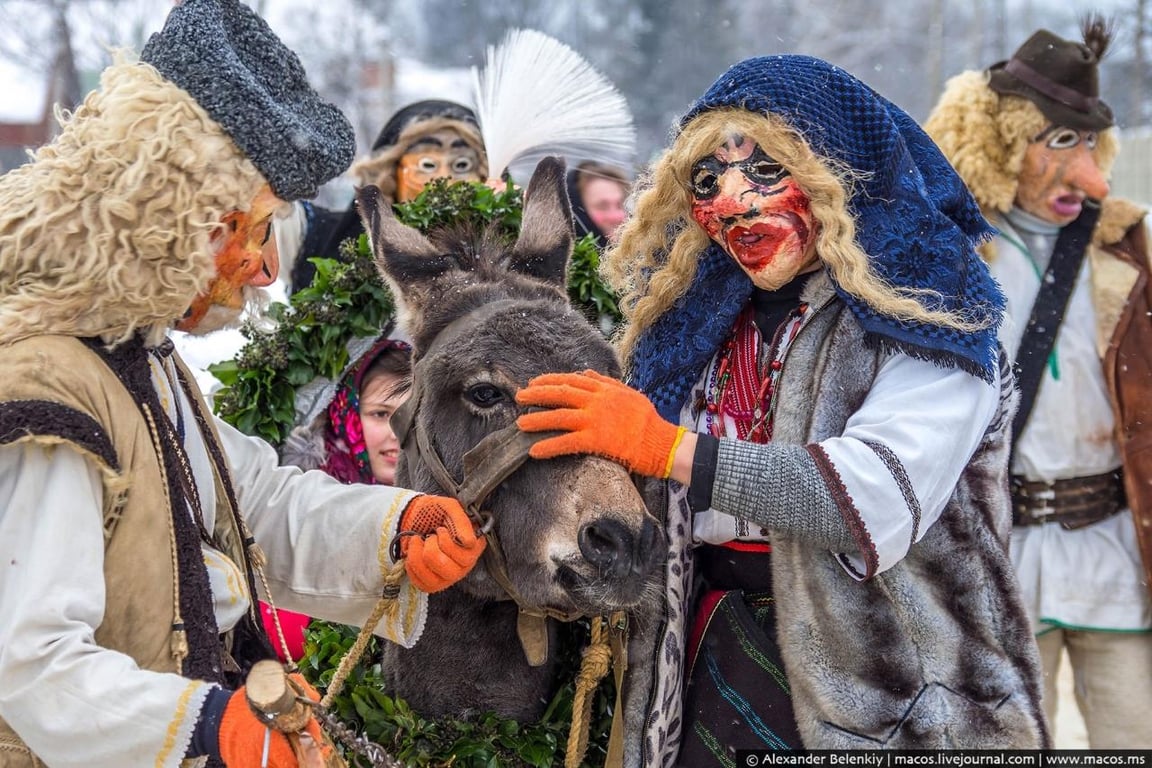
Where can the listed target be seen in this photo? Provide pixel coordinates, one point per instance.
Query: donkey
(575, 535)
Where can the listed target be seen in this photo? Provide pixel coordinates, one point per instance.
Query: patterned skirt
(737, 696)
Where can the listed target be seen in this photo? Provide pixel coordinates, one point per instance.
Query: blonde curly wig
(655, 259)
(380, 168)
(107, 231)
(985, 135)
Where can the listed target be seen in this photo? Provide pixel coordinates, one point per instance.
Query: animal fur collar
(1117, 216)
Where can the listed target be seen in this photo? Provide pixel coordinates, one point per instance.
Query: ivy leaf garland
(348, 299)
(477, 740)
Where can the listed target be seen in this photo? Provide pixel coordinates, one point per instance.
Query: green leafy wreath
(477, 740)
(348, 299)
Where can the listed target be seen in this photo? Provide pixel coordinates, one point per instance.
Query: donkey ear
(545, 241)
(405, 258)
(402, 253)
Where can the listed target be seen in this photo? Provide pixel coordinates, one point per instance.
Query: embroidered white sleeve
(57, 682)
(903, 451)
(326, 543)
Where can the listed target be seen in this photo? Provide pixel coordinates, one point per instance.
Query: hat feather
(536, 96)
(1098, 32)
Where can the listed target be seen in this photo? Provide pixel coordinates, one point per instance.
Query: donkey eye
(484, 395)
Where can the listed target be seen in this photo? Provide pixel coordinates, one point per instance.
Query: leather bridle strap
(486, 465)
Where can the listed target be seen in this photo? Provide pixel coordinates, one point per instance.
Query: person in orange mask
(423, 141)
(246, 259)
(137, 531)
(1034, 142)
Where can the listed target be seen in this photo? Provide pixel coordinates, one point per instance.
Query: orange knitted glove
(602, 416)
(242, 735)
(438, 542)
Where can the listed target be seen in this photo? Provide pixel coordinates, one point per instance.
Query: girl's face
(750, 205)
(378, 401)
(604, 201)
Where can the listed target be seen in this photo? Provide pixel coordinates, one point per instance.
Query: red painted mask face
(749, 204)
(246, 257)
(1059, 171)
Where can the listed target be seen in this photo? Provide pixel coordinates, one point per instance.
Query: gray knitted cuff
(780, 488)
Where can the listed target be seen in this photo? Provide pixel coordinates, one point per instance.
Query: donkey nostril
(607, 544)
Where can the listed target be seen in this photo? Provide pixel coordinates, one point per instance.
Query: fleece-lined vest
(1122, 295)
(57, 391)
(935, 652)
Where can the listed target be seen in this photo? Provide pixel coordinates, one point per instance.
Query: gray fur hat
(231, 62)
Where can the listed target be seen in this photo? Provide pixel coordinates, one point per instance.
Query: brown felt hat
(1060, 77)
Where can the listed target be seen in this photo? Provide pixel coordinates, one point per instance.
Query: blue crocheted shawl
(914, 218)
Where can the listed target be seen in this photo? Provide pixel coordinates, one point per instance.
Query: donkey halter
(486, 465)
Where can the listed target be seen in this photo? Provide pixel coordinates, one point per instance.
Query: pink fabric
(293, 625)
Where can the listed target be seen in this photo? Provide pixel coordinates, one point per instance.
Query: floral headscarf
(344, 439)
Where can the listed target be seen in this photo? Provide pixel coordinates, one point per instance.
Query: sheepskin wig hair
(380, 168)
(108, 230)
(654, 262)
(985, 135)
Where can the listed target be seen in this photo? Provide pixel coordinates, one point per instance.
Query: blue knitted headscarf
(914, 219)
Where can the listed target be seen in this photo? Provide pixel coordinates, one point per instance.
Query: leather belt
(1073, 503)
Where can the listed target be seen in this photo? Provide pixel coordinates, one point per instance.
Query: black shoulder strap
(1048, 311)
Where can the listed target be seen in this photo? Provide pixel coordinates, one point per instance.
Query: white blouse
(930, 418)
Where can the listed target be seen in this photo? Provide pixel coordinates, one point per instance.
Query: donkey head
(486, 317)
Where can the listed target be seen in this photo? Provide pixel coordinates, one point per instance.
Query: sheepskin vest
(58, 391)
(933, 653)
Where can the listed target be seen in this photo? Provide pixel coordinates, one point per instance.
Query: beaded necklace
(739, 386)
(174, 433)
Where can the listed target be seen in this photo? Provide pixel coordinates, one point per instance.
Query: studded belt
(1072, 503)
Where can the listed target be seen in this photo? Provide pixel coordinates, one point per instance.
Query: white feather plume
(536, 96)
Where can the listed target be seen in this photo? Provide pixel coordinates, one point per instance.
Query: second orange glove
(246, 741)
(438, 542)
(601, 416)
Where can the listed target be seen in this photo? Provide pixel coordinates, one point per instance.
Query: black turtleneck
(773, 307)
